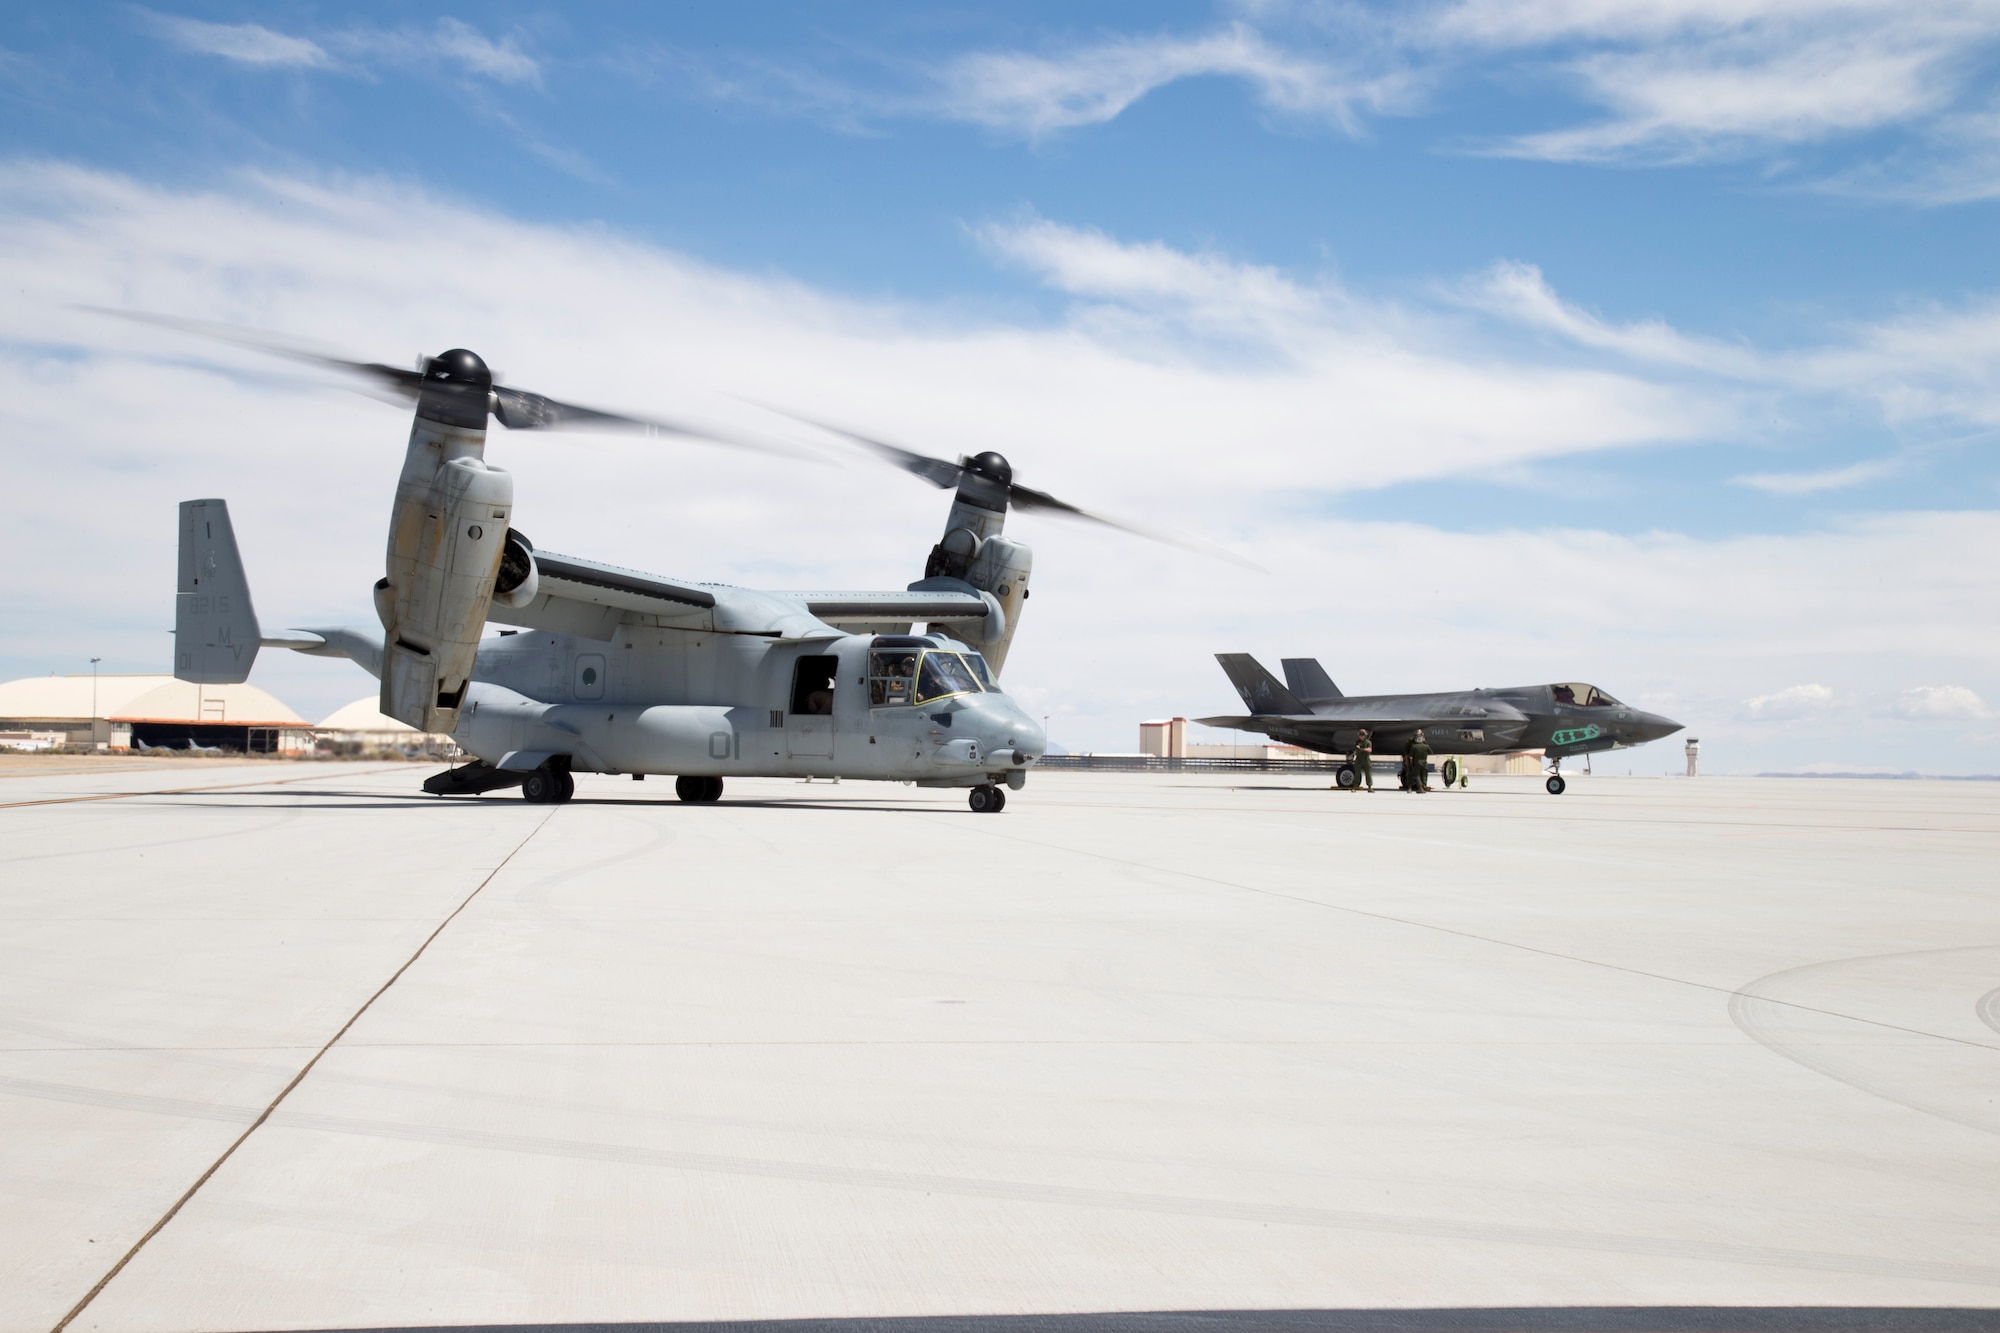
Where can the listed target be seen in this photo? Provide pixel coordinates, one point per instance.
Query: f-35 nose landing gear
(1555, 784)
(987, 800)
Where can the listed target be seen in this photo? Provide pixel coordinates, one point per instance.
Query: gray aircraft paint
(1484, 721)
(615, 670)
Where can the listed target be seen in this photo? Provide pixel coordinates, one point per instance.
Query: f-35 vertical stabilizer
(1260, 690)
(1309, 680)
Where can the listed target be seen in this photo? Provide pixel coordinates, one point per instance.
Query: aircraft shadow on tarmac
(1505, 1319)
(370, 800)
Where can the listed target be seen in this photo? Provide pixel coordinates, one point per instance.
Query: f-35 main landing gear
(987, 800)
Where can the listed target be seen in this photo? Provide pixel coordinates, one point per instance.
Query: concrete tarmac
(1163, 1043)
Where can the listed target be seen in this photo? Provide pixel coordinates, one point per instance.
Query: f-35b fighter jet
(1310, 711)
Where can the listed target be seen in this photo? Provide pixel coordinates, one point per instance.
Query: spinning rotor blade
(515, 409)
(943, 473)
(939, 472)
(402, 382)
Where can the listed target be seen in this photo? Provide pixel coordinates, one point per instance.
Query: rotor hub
(991, 465)
(457, 390)
(458, 366)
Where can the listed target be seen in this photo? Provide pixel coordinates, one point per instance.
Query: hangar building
(119, 712)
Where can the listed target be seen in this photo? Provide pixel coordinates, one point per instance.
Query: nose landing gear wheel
(695, 789)
(1556, 785)
(986, 800)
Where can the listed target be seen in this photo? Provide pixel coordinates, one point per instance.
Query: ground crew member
(1362, 756)
(1417, 762)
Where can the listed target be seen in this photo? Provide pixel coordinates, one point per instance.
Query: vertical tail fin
(1260, 690)
(215, 627)
(1309, 680)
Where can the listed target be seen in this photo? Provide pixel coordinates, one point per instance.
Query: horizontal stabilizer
(1309, 680)
(1260, 690)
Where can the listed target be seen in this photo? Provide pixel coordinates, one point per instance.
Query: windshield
(979, 669)
(1581, 695)
(944, 673)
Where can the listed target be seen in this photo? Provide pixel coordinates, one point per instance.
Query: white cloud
(1794, 701)
(1130, 415)
(1928, 368)
(1037, 94)
(247, 43)
(1941, 701)
(1670, 81)
(1812, 483)
(502, 60)
(1681, 80)
(449, 41)
(1519, 292)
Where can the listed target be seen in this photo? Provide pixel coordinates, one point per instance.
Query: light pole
(93, 701)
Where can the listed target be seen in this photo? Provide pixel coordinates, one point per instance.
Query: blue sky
(1411, 297)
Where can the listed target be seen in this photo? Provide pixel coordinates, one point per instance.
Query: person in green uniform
(1362, 756)
(1417, 759)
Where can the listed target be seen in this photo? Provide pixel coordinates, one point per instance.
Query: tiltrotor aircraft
(1310, 711)
(609, 670)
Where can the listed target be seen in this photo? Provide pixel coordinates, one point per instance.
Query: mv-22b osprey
(609, 670)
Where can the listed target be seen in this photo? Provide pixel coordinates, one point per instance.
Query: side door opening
(809, 721)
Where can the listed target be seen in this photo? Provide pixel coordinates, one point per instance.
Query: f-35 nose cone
(1652, 726)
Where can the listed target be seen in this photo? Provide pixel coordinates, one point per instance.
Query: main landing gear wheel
(987, 800)
(698, 789)
(1450, 772)
(1556, 785)
(1346, 778)
(547, 786)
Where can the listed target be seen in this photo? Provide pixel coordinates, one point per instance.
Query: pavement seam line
(297, 1078)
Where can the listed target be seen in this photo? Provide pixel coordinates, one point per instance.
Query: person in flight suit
(1417, 762)
(1362, 756)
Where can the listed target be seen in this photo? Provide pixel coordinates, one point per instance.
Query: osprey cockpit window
(942, 674)
(892, 677)
(1579, 695)
(980, 669)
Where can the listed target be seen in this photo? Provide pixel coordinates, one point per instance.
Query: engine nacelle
(974, 551)
(519, 582)
(446, 537)
(1001, 571)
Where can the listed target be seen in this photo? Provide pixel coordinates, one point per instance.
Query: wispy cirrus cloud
(1651, 82)
(1682, 80)
(245, 43)
(1037, 93)
(449, 41)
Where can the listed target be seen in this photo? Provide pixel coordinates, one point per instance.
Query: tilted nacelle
(446, 538)
(974, 551)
